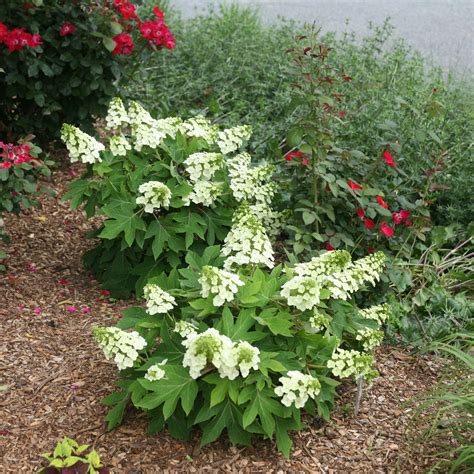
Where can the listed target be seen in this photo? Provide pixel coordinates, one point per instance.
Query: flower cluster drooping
(200, 127)
(247, 241)
(117, 115)
(120, 345)
(202, 165)
(158, 301)
(211, 347)
(119, 145)
(156, 372)
(154, 195)
(232, 139)
(379, 313)
(220, 284)
(297, 388)
(333, 271)
(80, 145)
(370, 338)
(346, 363)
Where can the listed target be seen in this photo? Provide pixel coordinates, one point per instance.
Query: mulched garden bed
(53, 375)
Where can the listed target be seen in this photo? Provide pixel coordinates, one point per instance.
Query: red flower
(397, 218)
(304, 161)
(380, 200)
(35, 41)
(360, 213)
(386, 229)
(291, 155)
(354, 186)
(5, 165)
(388, 158)
(126, 9)
(159, 14)
(124, 44)
(342, 113)
(329, 247)
(3, 32)
(404, 214)
(157, 33)
(369, 223)
(105, 292)
(67, 29)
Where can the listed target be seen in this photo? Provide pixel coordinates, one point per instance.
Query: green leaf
(114, 417)
(109, 43)
(262, 404)
(123, 219)
(177, 385)
(279, 322)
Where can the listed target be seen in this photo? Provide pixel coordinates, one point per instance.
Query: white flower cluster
(342, 284)
(184, 328)
(116, 116)
(297, 388)
(221, 284)
(147, 135)
(156, 372)
(158, 301)
(379, 313)
(250, 184)
(154, 195)
(200, 127)
(203, 192)
(272, 220)
(137, 115)
(211, 347)
(302, 292)
(345, 363)
(247, 241)
(120, 345)
(202, 165)
(319, 321)
(232, 139)
(81, 146)
(333, 271)
(370, 338)
(325, 264)
(119, 145)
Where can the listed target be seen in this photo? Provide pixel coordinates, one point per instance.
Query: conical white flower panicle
(203, 192)
(202, 166)
(81, 147)
(158, 301)
(120, 345)
(333, 271)
(342, 284)
(200, 127)
(119, 145)
(345, 363)
(137, 115)
(247, 242)
(232, 139)
(154, 195)
(297, 388)
(184, 328)
(116, 116)
(250, 184)
(379, 313)
(221, 284)
(370, 338)
(211, 348)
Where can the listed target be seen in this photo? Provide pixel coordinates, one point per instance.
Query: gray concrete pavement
(443, 30)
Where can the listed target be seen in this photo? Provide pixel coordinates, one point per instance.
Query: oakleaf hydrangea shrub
(62, 61)
(244, 347)
(166, 187)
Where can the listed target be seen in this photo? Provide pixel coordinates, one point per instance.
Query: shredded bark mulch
(53, 376)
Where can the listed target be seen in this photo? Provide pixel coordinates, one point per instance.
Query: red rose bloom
(404, 214)
(380, 200)
(3, 32)
(354, 186)
(329, 247)
(369, 223)
(397, 218)
(124, 44)
(159, 14)
(360, 213)
(67, 29)
(126, 9)
(388, 158)
(386, 229)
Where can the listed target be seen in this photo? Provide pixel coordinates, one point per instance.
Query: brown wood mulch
(53, 375)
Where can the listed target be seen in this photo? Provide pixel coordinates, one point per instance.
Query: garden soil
(53, 376)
